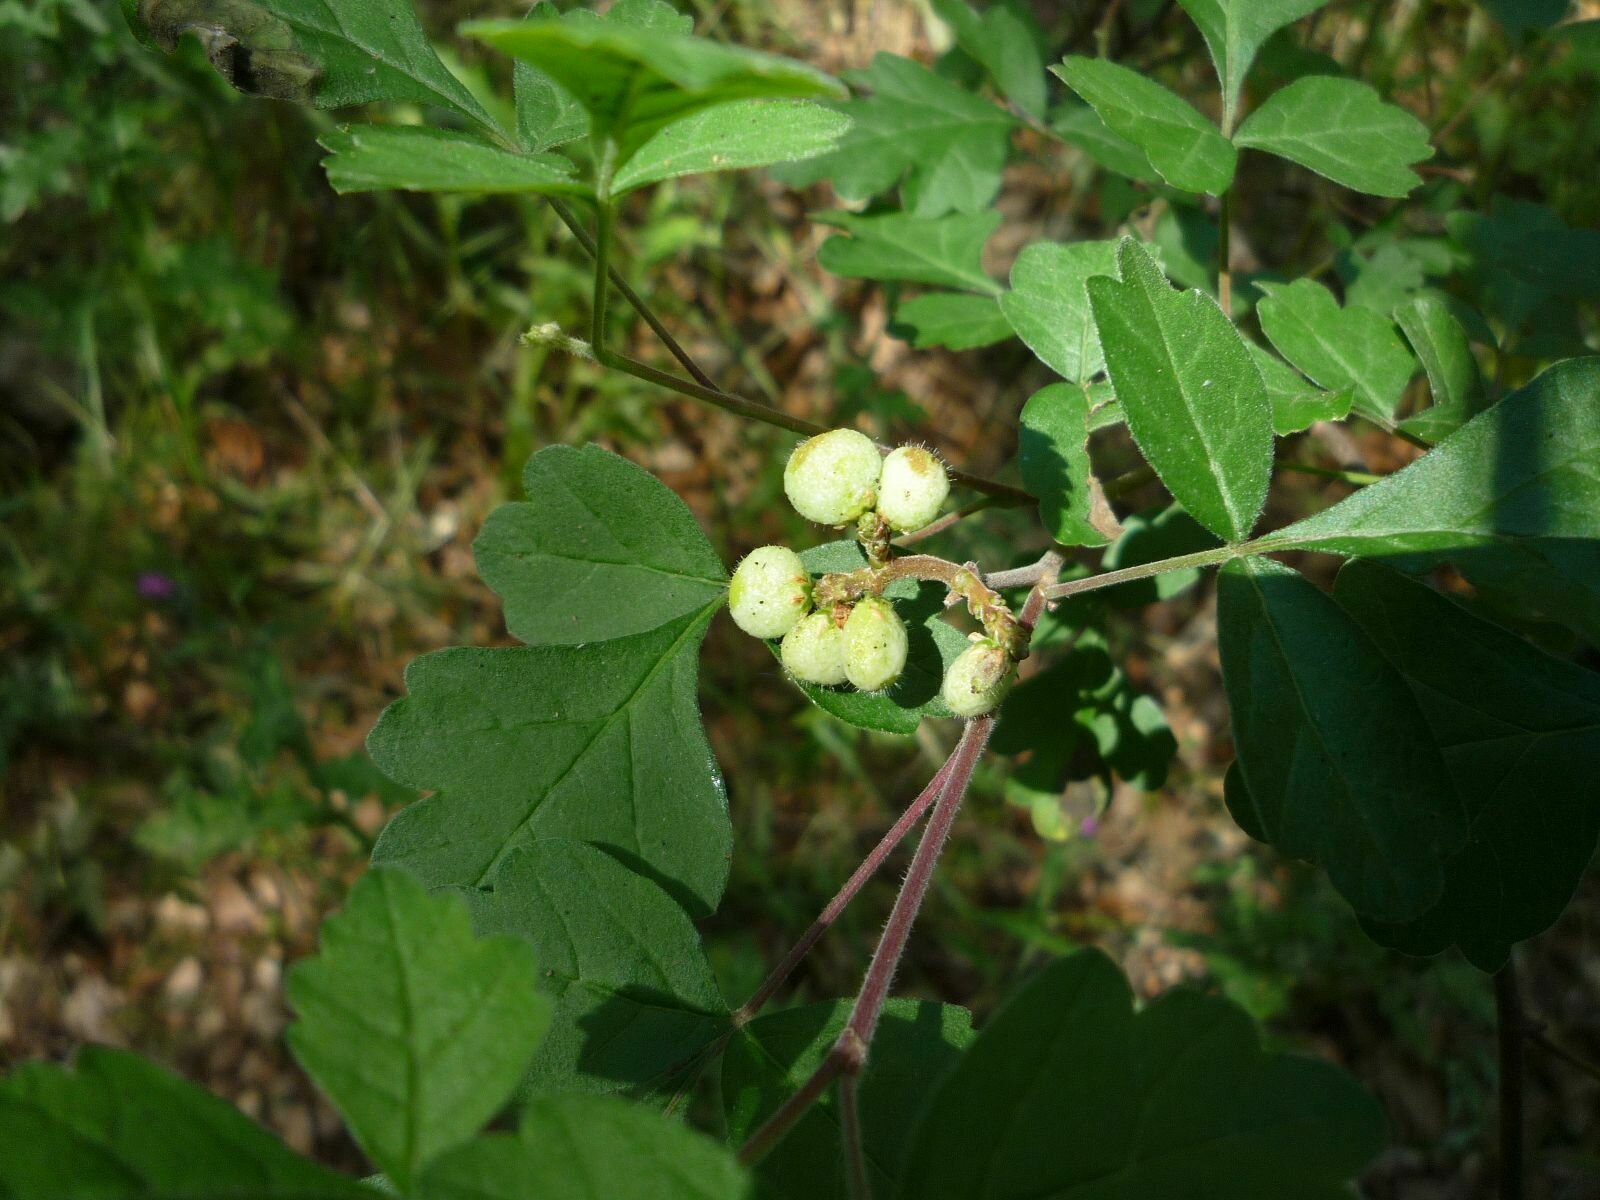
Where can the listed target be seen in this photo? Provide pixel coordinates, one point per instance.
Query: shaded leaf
(1192, 395)
(1235, 30)
(1337, 347)
(1342, 129)
(945, 252)
(731, 137)
(369, 158)
(1332, 747)
(1006, 41)
(1441, 344)
(951, 319)
(1297, 403)
(600, 549)
(414, 1028)
(1067, 1093)
(1077, 124)
(113, 1125)
(1520, 732)
(773, 1055)
(635, 997)
(547, 114)
(1522, 255)
(1182, 145)
(582, 1147)
(1048, 304)
(1053, 454)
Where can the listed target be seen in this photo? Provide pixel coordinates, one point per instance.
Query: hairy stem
(1204, 558)
(855, 1159)
(1511, 1033)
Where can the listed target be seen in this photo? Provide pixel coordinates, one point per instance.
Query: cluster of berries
(837, 478)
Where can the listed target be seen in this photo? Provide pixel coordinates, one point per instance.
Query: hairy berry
(770, 592)
(978, 679)
(813, 651)
(875, 645)
(912, 488)
(833, 478)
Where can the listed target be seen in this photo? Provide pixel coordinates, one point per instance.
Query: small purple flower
(155, 586)
(1089, 826)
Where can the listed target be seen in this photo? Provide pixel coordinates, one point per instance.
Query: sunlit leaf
(946, 251)
(369, 158)
(951, 319)
(1053, 454)
(1337, 347)
(731, 137)
(1235, 30)
(1048, 304)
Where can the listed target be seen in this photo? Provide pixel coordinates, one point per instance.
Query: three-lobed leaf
(367, 158)
(1339, 348)
(1342, 129)
(1194, 399)
(1234, 30)
(1048, 304)
(416, 1029)
(1182, 145)
(943, 251)
(954, 320)
(1333, 749)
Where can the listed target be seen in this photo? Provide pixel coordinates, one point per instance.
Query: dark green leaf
(948, 145)
(115, 1126)
(1235, 30)
(1296, 403)
(601, 549)
(600, 743)
(370, 158)
(1006, 41)
(1048, 304)
(1525, 469)
(586, 1148)
(1148, 537)
(1068, 1094)
(1440, 342)
(945, 252)
(1053, 454)
(1522, 255)
(732, 137)
(634, 994)
(951, 319)
(1077, 124)
(1193, 397)
(1333, 748)
(1548, 579)
(414, 1028)
(1520, 731)
(1337, 347)
(1182, 146)
(773, 1055)
(314, 52)
(1342, 129)
(1521, 16)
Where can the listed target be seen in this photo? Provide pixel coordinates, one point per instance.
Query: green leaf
(415, 1029)
(1235, 30)
(370, 158)
(1053, 453)
(951, 319)
(947, 145)
(634, 994)
(1525, 469)
(313, 52)
(1068, 1094)
(633, 82)
(1337, 347)
(600, 743)
(1342, 129)
(1182, 145)
(1517, 729)
(1297, 404)
(1440, 342)
(732, 137)
(114, 1125)
(1548, 579)
(601, 549)
(1005, 41)
(1148, 537)
(1079, 125)
(934, 645)
(1522, 255)
(945, 252)
(1193, 397)
(583, 1148)
(1333, 748)
(772, 1056)
(1048, 304)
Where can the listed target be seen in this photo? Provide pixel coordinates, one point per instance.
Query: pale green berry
(978, 679)
(833, 478)
(813, 651)
(770, 591)
(875, 645)
(912, 488)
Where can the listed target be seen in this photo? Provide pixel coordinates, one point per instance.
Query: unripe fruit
(833, 478)
(770, 592)
(978, 679)
(875, 645)
(912, 488)
(813, 651)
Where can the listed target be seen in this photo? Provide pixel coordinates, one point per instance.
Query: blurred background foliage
(248, 431)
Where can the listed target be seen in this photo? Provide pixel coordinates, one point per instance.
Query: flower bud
(875, 645)
(912, 488)
(770, 592)
(978, 679)
(813, 651)
(833, 478)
